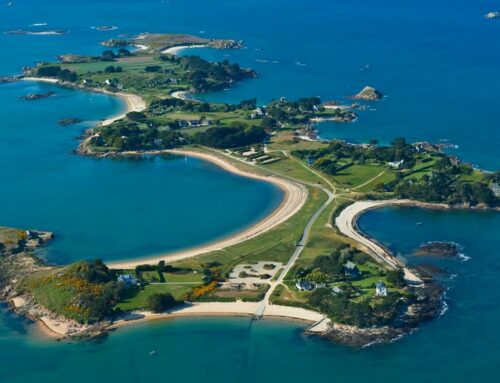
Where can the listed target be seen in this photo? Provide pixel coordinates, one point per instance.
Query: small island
(369, 93)
(39, 33)
(493, 15)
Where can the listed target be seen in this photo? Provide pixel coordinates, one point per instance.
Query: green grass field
(277, 244)
(136, 299)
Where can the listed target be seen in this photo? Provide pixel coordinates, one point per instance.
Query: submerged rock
(69, 121)
(369, 94)
(37, 96)
(438, 249)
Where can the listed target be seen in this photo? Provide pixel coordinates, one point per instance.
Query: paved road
(300, 245)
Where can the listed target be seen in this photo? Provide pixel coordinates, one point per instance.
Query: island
(369, 93)
(493, 15)
(307, 261)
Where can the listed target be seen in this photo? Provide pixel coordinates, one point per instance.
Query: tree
(124, 52)
(396, 277)
(160, 302)
(161, 266)
(136, 116)
(49, 71)
(268, 123)
(152, 68)
(248, 104)
(108, 55)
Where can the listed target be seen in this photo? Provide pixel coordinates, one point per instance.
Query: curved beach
(295, 193)
(176, 50)
(234, 309)
(133, 103)
(295, 197)
(346, 223)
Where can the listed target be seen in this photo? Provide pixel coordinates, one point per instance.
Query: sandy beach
(346, 223)
(133, 103)
(183, 95)
(233, 309)
(295, 197)
(176, 50)
(295, 193)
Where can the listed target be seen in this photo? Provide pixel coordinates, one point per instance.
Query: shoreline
(178, 49)
(183, 95)
(346, 223)
(224, 309)
(294, 199)
(133, 102)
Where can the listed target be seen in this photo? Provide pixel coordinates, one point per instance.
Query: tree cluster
(236, 135)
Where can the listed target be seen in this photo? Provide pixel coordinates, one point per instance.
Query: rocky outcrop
(427, 304)
(37, 96)
(225, 44)
(362, 337)
(493, 15)
(369, 94)
(114, 43)
(71, 58)
(69, 121)
(439, 249)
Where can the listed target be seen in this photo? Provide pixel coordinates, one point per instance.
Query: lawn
(356, 175)
(136, 299)
(276, 245)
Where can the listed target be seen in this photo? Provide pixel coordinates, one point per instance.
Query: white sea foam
(463, 257)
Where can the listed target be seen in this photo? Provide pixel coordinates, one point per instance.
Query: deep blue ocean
(438, 64)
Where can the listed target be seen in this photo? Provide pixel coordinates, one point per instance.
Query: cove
(111, 208)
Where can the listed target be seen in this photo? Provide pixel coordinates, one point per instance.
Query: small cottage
(336, 290)
(380, 289)
(304, 285)
(128, 280)
(351, 270)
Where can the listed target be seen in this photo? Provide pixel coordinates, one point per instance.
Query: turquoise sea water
(111, 208)
(461, 346)
(437, 61)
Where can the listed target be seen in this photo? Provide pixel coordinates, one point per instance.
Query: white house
(380, 289)
(351, 270)
(396, 164)
(336, 290)
(304, 285)
(128, 280)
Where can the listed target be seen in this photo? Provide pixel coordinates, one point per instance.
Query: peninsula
(306, 261)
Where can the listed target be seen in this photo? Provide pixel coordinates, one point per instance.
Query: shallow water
(111, 208)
